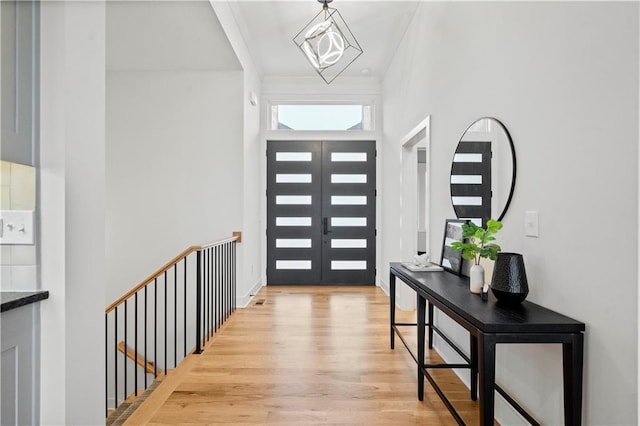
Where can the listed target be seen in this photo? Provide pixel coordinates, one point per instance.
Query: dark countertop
(15, 299)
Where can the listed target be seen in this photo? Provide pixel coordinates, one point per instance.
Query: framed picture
(451, 260)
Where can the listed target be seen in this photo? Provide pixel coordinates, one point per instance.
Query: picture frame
(451, 260)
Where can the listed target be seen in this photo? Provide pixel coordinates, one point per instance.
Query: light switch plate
(531, 224)
(18, 227)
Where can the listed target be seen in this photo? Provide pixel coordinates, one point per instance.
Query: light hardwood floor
(306, 356)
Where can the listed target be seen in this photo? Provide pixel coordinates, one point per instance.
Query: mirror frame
(513, 159)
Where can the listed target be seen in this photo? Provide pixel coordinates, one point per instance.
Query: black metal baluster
(217, 288)
(135, 345)
(125, 350)
(175, 315)
(211, 292)
(223, 295)
(145, 337)
(234, 272)
(228, 289)
(205, 277)
(115, 353)
(155, 328)
(106, 365)
(226, 281)
(166, 364)
(198, 302)
(185, 307)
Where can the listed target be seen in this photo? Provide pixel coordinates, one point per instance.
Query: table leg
(572, 364)
(473, 344)
(392, 307)
(430, 313)
(421, 302)
(487, 373)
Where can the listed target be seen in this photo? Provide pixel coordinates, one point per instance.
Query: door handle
(325, 226)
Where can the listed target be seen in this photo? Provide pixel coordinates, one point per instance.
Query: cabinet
(19, 75)
(19, 365)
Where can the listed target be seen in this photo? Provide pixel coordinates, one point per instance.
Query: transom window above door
(321, 117)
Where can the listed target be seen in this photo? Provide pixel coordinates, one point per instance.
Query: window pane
(466, 201)
(293, 221)
(349, 200)
(293, 156)
(291, 178)
(293, 199)
(349, 156)
(466, 179)
(293, 264)
(348, 221)
(467, 158)
(320, 117)
(346, 265)
(348, 243)
(348, 178)
(293, 243)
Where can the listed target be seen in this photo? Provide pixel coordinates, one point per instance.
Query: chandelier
(328, 43)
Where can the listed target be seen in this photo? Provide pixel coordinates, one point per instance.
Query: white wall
(174, 167)
(72, 212)
(563, 78)
(249, 256)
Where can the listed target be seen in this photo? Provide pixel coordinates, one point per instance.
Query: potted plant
(479, 243)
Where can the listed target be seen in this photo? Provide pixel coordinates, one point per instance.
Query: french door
(321, 212)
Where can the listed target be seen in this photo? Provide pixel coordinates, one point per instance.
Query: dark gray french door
(471, 181)
(321, 212)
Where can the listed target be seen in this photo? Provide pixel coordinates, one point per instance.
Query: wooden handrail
(166, 266)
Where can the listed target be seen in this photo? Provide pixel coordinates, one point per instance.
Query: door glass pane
(293, 221)
(348, 221)
(348, 265)
(293, 264)
(293, 243)
(467, 158)
(293, 156)
(292, 178)
(467, 179)
(293, 199)
(349, 156)
(336, 178)
(466, 201)
(349, 200)
(349, 243)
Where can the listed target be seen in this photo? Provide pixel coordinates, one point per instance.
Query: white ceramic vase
(476, 279)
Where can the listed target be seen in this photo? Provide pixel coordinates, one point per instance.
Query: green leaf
(493, 226)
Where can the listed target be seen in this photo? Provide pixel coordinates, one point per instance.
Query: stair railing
(172, 313)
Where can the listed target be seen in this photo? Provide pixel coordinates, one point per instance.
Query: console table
(489, 323)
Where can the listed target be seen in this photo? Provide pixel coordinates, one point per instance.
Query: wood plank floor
(306, 356)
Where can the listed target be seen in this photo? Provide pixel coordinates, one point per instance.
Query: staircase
(152, 328)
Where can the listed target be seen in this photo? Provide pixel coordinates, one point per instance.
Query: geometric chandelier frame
(328, 43)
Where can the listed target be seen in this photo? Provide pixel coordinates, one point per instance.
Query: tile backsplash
(18, 263)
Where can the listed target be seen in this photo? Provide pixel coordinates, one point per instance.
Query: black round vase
(509, 280)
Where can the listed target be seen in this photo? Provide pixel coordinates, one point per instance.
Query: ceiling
(268, 28)
(166, 36)
(182, 35)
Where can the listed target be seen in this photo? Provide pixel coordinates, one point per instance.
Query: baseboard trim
(244, 301)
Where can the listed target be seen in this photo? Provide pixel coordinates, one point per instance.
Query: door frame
(419, 136)
(279, 92)
(328, 276)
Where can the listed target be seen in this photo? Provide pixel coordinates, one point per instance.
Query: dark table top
(491, 316)
(15, 299)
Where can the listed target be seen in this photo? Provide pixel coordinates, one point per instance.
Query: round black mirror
(483, 172)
